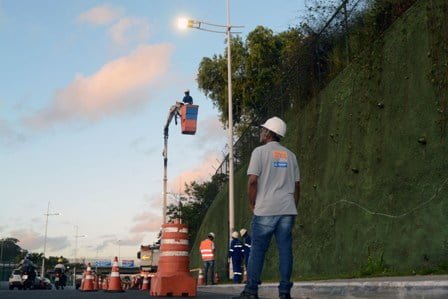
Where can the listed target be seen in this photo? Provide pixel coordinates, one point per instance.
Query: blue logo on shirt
(281, 164)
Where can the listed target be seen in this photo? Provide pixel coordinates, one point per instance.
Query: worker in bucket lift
(207, 249)
(236, 253)
(187, 98)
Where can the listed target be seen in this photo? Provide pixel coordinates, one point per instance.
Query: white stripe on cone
(174, 230)
(174, 253)
(174, 241)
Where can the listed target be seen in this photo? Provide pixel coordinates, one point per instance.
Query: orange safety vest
(207, 249)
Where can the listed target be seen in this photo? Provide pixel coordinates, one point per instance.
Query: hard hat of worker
(211, 235)
(235, 235)
(276, 125)
(186, 91)
(243, 231)
(60, 260)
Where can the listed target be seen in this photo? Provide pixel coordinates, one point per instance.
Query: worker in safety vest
(207, 249)
(236, 253)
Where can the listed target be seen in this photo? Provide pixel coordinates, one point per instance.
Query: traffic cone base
(173, 276)
(178, 285)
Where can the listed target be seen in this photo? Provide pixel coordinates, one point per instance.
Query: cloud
(29, 239)
(144, 146)
(123, 29)
(57, 243)
(101, 15)
(132, 240)
(129, 29)
(8, 136)
(119, 86)
(32, 241)
(200, 173)
(211, 129)
(147, 221)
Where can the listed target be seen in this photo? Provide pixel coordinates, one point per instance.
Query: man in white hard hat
(273, 193)
(207, 249)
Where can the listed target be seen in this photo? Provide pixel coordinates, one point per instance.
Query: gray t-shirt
(277, 170)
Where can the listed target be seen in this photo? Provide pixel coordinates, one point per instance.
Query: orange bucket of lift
(189, 116)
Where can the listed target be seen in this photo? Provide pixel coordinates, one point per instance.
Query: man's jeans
(263, 227)
(209, 265)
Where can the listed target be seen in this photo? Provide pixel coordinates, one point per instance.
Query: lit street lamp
(185, 23)
(76, 248)
(42, 273)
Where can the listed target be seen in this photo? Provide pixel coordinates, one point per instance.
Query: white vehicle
(15, 279)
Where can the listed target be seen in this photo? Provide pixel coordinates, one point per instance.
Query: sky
(85, 91)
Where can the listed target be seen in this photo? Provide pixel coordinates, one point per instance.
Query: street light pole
(42, 273)
(119, 249)
(229, 91)
(76, 249)
(203, 26)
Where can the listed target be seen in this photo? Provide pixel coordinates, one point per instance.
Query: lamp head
(184, 23)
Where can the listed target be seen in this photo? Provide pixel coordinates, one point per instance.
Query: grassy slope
(358, 160)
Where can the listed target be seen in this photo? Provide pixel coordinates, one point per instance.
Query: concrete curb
(384, 287)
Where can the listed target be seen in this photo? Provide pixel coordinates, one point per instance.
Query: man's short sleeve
(254, 164)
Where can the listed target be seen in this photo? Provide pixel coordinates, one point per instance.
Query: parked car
(15, 279)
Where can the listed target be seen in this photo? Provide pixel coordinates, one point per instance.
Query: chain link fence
(306, 73)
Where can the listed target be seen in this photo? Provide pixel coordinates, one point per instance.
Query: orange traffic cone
(98, 282)
(114, 284)
(88, 286)
(200, 278)
(145, 284)
(216, 279)
(104, 286)
(173, 276)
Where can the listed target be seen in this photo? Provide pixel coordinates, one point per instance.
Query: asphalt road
(71, 294)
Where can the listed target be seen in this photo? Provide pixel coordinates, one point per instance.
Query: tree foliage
(10, 249)
(194, 204)
(272, 72)
(258, 75)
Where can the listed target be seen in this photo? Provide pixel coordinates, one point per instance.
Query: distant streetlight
(184, 23)
(118, 242)
(76, 249)
(42, 273)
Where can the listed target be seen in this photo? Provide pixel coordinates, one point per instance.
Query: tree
(10, 249)
(258, 76)
(194, 204)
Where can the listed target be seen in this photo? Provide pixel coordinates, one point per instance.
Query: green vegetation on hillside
(373, 152)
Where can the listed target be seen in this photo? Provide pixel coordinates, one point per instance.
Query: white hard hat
(235, 235)
(211, 235)
(243, 231)
(276, 125)
(187, 90)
